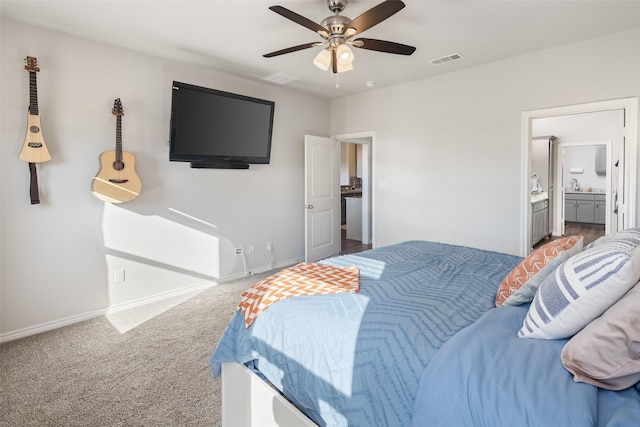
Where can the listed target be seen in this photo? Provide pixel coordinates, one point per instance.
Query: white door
(322, 197)
(560, 179)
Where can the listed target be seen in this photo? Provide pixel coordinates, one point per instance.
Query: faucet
(575, 186)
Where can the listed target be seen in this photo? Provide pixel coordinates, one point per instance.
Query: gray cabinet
(539, 221)
(585, 211)
(570, 210)
(584, 207)
(600, 208)
(601, 160)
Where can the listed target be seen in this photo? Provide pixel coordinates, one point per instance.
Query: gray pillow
(606, 353)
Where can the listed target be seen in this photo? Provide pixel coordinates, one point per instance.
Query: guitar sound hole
(118, 165)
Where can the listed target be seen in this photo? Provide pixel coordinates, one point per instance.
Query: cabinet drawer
(538, 206)
(600, 197)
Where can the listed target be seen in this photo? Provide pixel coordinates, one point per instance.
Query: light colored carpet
(89, 374)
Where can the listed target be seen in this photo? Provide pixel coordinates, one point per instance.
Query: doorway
(322, 194)
(587, 191)
(624, 196)
(356, 164)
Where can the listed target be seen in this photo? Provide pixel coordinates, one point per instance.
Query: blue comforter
(487, 376)
(357, 359)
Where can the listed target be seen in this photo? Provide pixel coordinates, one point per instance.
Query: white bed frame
(248, 401)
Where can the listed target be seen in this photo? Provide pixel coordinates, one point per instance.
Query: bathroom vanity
(585, 207)
(539, 217)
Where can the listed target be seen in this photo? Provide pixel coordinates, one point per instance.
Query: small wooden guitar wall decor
(117, 181)
(34, 149)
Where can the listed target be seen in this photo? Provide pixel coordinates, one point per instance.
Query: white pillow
(626, 240)
(580, 290)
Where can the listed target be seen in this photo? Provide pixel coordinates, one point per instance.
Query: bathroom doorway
(588, 192)
(624, 145)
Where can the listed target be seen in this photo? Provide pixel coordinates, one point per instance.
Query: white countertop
(538, 197)
(585, 192)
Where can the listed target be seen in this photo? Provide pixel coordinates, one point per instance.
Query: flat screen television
(215, 129)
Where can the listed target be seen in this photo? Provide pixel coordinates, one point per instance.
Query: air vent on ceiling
(280, 78)
(446, 58)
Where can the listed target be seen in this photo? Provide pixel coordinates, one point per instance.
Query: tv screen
(211, 128)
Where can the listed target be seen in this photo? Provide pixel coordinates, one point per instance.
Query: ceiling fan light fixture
(323, 59)
(337, 31)
(344, 67)
(344, 54)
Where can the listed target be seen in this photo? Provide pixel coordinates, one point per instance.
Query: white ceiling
(231, 36)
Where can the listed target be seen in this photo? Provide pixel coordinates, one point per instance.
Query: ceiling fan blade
(291, 49)
(299, 19)
(376, 15)
(384, 46)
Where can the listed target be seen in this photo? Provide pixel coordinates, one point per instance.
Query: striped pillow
(626, 240)
(580, 290)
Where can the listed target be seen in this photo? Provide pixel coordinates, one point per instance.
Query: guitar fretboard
(33, 94)
(118, 138)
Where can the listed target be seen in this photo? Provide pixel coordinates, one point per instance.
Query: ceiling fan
(338, 32)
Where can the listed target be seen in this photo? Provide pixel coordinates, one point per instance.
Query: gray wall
(448, 150)
(446, 161)
(58, 258)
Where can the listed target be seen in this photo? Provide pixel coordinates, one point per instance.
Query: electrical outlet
(269, 246)
(119, 275)
(239, 251)
(251, 249)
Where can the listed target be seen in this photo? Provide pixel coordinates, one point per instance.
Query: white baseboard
(159, 297)
(262, 269)
(49, 326)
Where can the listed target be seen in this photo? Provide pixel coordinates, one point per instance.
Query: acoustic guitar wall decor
(34, 150)
(117, 181)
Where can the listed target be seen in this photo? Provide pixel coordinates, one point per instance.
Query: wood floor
(590, 232)
(350, 246)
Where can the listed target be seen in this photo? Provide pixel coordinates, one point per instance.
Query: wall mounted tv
(215, 129)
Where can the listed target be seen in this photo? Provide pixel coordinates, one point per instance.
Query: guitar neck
(118, 138)
(33, 94)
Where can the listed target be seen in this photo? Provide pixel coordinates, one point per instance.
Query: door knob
(308, 206)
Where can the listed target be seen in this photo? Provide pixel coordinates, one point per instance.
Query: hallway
(349, 246)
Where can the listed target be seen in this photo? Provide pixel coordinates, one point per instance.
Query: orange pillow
(520, 285)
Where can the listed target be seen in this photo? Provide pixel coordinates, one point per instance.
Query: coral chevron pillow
(520, 285)
(606, 353)
(580, 290)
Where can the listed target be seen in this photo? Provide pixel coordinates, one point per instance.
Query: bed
(422, 343)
